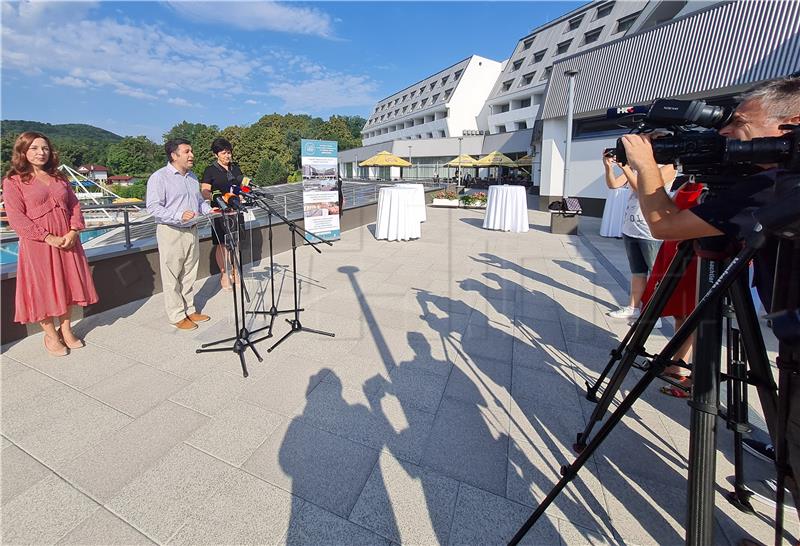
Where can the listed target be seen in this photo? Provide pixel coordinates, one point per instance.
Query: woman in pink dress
(52, 270)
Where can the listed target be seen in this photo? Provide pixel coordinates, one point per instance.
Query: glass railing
(128, 226)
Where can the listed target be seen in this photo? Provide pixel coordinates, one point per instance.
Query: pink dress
(49, 279)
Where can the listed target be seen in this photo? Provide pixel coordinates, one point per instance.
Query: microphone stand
(295, 323)
(273, 310)
(241, 341)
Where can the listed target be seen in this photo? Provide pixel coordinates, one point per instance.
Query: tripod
(296, 325)
(273, 310)
(241, 341)
(706, 318)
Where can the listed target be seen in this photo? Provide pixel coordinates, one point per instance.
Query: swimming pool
(9, 251)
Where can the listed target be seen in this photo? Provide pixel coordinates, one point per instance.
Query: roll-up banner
(320, 192)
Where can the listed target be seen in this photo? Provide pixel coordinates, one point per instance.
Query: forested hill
(66, 131)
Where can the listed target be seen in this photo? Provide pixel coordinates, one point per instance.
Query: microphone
(233, 201)
(261, 192)
(218, 199)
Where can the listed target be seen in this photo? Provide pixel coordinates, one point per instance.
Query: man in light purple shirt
(174, 200)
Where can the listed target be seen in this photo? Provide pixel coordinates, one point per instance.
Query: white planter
(445, 203)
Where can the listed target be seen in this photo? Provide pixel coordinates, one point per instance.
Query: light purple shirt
(170, 194)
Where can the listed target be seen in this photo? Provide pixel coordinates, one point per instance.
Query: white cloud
(264, 15)
(70, 81)
(251, 101)
(323, 93)
(180, 101)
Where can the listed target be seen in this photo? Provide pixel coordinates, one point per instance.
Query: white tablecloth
(398, 219)
(506, 209)
(614, 212)
(419, 202)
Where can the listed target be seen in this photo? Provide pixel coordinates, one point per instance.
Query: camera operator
(761, 112)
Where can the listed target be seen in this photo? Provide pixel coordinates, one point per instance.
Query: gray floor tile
(211, 393)
(137, 389)
(552, 389)
(406, 503)
(45, 512)
(104, 528)
(19, 472)
(82, 367)
(415, 388)
(234, 433)
(283, 385)
(60, 424)
(109, 466)
(244, 510)
(314, 465)
(160, 501)
(313, 525)
(480, 380)
(487, 519)
(469, 444)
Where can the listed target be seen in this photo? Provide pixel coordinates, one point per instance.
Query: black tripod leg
(204, 345)
(281, 340)
(569, 472)
(244, 365)
(320, 332)
(252, 348)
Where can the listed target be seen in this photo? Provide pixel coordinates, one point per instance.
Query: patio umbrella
(463, 160)
(495, 159)
(385, 159)
(524, 161)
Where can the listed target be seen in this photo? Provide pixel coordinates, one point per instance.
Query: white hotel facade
(625, 52)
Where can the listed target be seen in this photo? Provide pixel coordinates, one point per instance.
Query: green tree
(271, 172)
(134, 155)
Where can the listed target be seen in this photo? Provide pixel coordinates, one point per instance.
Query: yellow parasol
(384, 159)
(463, 160)
(524, 161)
(495, 159)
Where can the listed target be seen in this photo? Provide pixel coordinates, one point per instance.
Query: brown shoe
(198, 317)
(185, 324)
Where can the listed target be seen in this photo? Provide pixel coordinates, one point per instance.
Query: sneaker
(625, 313)
(763, 451)
(185, 324)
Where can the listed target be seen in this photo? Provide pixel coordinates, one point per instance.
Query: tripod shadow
(660, 463)
(503, 264)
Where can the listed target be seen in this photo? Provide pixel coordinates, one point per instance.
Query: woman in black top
(220, 176)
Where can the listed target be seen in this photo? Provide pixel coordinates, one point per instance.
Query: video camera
(703, 152)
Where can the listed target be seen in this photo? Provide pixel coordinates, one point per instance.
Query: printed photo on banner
(319, 159)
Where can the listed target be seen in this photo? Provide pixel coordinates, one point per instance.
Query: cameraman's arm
(665, 219)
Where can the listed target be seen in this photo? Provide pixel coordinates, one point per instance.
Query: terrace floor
(440, 413)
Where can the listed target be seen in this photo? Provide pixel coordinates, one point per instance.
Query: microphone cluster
(238, 195)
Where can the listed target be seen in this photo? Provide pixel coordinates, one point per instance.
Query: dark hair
(19, 161)
(171, 146)
(221, 144)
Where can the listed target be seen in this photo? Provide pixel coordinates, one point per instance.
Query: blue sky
(137, 68)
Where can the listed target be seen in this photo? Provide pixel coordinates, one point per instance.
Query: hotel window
(422, 104)
(457, 75)
(575, 23)
(527, 79)
(414, 106)
(604, 10)
(412, 94)
(429, 135)
(447, 94)
(441, 134)
(404, 109)
(592, 36)
(626, 22)
(520, 125)
(433, 84)
(538, 56)
(404, 97)
(546, 75)
(526, 45)
(444, 80)
(435, 98)
(396, 111)
(516, 65)
(507, 85)
(563, 47)
(525, 103)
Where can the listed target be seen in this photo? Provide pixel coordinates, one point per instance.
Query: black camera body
(705, 152)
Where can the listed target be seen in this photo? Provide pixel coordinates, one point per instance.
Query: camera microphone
(233, 201)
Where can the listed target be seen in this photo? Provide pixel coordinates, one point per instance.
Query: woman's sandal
(682, 392)
(76, 345)
(62, 350)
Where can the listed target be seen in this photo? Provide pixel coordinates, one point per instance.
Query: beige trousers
(178, 250)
